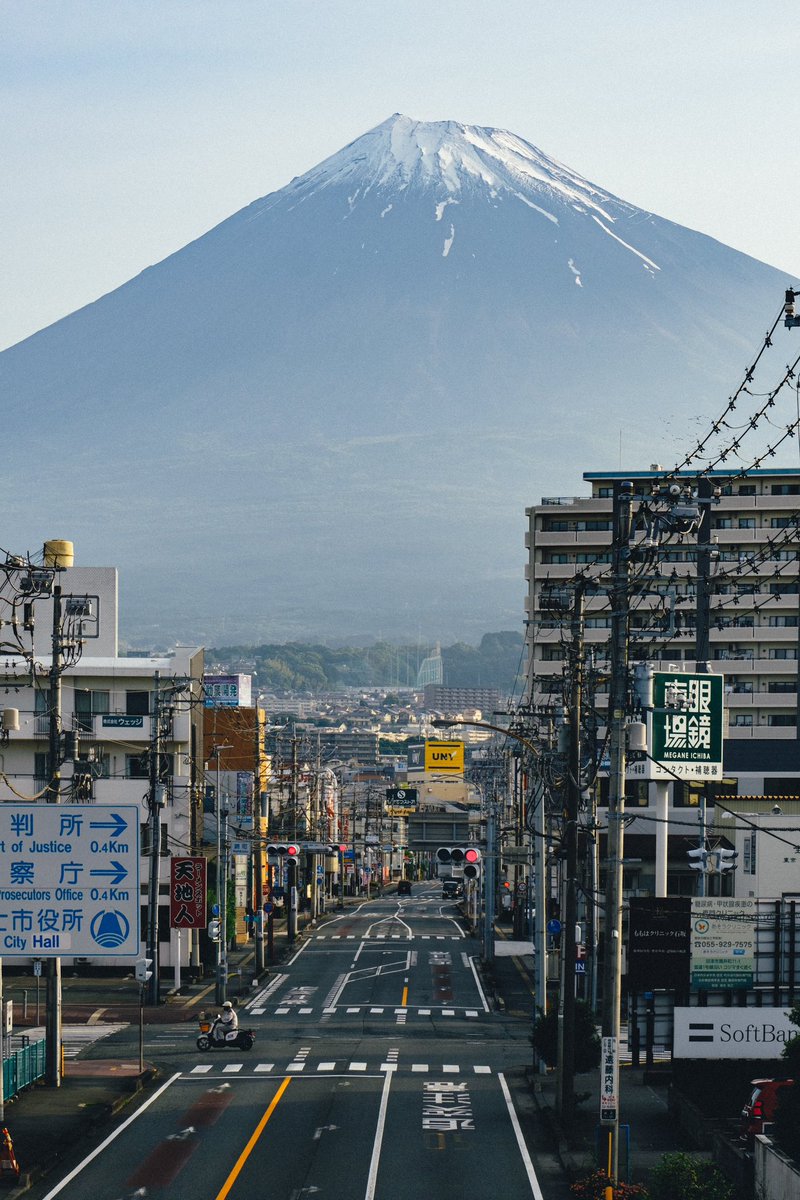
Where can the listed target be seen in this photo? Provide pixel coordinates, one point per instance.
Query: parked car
(451, 889)
(761, 1106)
(404, 887)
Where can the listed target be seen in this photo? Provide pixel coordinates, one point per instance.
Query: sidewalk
(647, 1130)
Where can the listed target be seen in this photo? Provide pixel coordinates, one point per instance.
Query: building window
(749, 853)
(87, 705)
(551, 556)
(786, 489)
(782, 719)
(747, 523)
(784, 652)
(783, 622)
(781, 785)
(723, 523)
(781, 687)
(742, 720)
(784, 588)
(137, 704)
(782, 522)
(747, 489)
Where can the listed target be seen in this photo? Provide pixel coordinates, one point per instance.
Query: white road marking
(478, 986)
(372, 1178)
(99, 1149)
(523, 1149)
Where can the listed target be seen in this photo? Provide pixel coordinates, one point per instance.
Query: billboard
(444, 758)
(684, 728)
(227, 691)
(659, 936)
(731, 1032)
(187, 893)
(401, 802)
(723, 943)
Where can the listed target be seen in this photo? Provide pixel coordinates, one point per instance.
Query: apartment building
(753, 634)
(107, 709)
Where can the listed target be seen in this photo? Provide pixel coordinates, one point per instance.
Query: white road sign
(69, 880)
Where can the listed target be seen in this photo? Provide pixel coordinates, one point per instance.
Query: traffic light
(472, 863)
(283, 852)
(468, 857)
(142, 971)
(726, 859)
(699, 859)
(335, 850)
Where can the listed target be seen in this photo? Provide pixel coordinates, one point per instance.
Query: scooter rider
(227, 1022)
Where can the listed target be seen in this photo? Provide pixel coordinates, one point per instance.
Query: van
(451, 889)
(761, 1106)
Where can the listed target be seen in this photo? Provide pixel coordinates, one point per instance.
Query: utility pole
(702, 650)
(156, 800)
(259, 803)
(566, 1008)
(53, 796)
(617, 710)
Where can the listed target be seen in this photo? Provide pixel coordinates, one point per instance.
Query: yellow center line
(259, 1129)
(404, 1001)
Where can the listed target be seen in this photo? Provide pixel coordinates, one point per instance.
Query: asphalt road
(379, 1072)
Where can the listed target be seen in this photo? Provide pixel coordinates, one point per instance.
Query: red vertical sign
(187, 893)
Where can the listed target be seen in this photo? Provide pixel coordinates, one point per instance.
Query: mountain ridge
(327, 414)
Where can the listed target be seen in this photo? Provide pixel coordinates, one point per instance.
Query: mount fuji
(326, 416)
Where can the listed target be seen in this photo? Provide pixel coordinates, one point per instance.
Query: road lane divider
(372, 1177)
(256, 1134)
(536, 1190)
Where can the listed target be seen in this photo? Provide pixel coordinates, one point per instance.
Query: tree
(587, 1041)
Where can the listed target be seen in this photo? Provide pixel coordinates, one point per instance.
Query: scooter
(237, 1039)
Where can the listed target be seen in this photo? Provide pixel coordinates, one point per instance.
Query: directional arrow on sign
(116, 869)
(117, 825)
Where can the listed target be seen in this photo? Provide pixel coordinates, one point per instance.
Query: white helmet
(227, 1004)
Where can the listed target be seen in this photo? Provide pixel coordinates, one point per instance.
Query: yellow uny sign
(446, 758)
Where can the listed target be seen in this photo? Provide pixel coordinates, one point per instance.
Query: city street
(379, 1072)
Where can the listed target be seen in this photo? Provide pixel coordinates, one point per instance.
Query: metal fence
(23, 1067)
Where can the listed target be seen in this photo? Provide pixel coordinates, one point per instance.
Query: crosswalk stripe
(299, 1064)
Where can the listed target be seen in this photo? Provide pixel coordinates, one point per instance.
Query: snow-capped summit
(327, 415)
(401, 153)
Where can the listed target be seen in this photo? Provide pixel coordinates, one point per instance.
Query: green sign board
(723, 943)
(685, 726)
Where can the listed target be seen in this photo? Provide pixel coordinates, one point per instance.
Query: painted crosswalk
(300, 1065)
(76, 1038)
(372, 1010)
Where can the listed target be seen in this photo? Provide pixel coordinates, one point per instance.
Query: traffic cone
(9, 1167)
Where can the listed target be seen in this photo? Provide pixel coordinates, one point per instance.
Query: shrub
(593, 1187)
(681, 1175)
(587, 1042)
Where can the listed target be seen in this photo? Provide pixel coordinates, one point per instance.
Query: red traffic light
(472, 856)
(292, 850)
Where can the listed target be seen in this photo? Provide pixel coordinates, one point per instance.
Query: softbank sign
(731, 1032)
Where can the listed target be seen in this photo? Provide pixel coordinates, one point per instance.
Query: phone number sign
(69, 880)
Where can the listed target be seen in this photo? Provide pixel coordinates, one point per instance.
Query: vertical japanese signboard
(684, 728)
(723, 943)
(609, 1080)
(658, 942)
(187, 893)
(69, 880)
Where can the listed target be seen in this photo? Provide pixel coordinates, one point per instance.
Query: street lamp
(222, 886)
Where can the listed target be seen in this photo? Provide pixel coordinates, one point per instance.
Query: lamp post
(222, 885)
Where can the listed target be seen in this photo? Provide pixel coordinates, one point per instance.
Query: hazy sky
(129, 127)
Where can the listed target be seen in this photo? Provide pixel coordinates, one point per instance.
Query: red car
(761, 1107)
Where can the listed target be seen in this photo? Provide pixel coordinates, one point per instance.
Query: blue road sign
(554, 926)
(69, 880)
